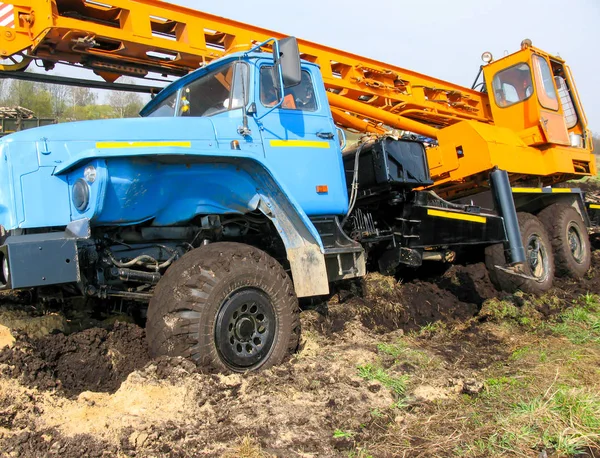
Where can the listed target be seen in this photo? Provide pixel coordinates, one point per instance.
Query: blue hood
(35, 163)
(63, 145)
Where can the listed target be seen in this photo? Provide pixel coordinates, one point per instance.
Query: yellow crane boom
(133, 37)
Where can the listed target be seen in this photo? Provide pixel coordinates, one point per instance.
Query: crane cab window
(567, 102)
(300, 97)
(545, 83)
(513, 85)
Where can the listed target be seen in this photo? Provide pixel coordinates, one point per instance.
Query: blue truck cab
(185, 158)
(225, 202)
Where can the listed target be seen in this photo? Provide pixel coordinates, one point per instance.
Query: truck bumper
(36, 260)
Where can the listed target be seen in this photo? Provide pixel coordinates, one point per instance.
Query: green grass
(432, 328)
(340, 434)
(544, 395)
(567, 418)
(402, 352)
(581, 323)
(393, 350)
(520, 353)
(397, 384)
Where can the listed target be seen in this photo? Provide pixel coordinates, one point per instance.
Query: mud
(383, 305)
(97, 393)
(92, 360)
(567, 288)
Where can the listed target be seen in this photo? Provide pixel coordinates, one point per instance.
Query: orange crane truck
(235, 193)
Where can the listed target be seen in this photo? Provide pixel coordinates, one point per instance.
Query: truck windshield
(221, 90)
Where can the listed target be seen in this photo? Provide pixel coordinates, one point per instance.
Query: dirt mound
(92, 360)
(469, 283)
(568, 288)
(383, 304)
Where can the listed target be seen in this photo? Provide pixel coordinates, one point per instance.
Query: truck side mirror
(286, 57)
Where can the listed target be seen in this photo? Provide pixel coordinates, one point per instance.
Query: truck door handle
(325, 135)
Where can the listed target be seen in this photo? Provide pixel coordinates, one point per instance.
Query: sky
(440, 38)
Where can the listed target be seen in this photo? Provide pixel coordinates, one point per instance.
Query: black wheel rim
(575, 242)
(245, 329)
(537, 258)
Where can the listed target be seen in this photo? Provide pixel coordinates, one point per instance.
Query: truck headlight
(81, 195)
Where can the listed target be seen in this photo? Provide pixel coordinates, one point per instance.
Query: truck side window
(512, 85)
(300, 97)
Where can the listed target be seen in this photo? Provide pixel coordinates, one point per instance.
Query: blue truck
(225, 203)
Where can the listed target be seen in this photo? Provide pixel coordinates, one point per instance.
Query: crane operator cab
(533, 93)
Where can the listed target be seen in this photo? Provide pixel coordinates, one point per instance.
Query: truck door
(301, 144)
(524, 98)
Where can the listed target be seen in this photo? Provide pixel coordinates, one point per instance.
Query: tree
(60, 99)
(78, 113)
(596, 143)
(125, 104)
(30, 95)
(82, 96)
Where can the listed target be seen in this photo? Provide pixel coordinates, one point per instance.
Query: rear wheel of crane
(539, 261)
(570, 240)
(228, 306)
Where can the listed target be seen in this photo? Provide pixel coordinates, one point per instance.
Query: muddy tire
(228, 306)
(539, 259)
(570, 240)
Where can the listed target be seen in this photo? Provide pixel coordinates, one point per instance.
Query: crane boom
(134, 37)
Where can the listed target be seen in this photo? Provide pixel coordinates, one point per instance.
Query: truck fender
(302, 242)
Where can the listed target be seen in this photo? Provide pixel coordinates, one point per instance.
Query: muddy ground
(97, 393)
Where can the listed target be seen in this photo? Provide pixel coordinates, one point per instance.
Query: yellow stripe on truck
(595, 206)
(542, 190)
(526, 190)
(459, 216)
(299, 144)
(116, 145)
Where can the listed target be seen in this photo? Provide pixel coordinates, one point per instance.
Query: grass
(340, 434)
(403, 353)
(544, 395)
(247, 447)
(566, 419)
(581, 323)
(397, 384)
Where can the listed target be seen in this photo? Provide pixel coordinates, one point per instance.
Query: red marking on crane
(7, 15)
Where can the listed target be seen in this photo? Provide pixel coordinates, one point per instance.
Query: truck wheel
(228, 306)
(539, 262)
(570, 240)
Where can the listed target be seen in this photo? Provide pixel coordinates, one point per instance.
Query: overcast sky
(441, 38)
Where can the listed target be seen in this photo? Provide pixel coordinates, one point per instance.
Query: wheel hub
(537, 258)
(575, 243)
(245, 329)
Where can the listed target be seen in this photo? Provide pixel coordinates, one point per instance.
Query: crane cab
(532, 92)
